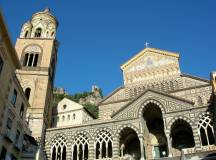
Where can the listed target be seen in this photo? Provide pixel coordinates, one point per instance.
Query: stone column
(69, 151)
(196, 138)
(116, 150)
(92, 149)
(48, 152)
(142, 150)
(169, 143)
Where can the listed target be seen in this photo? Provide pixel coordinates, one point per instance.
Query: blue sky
(97, 36)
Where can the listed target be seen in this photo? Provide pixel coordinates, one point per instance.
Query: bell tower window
(27, 92)
(38, 32)
(26, 34)
(31, 59)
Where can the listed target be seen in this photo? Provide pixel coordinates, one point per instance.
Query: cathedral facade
(158, 112)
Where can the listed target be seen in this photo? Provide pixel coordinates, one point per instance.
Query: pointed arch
(206, 130)
(80, 146)
(58, 149)
(103, 143)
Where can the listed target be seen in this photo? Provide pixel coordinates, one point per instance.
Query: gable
(68, 105)
(150, 62)
(168, 103)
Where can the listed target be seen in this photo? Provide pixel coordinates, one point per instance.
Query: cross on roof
(146, 44)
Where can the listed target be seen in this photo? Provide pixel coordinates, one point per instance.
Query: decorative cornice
(141, 53)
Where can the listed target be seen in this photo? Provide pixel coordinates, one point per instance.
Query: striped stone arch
(102, 129)
(103, 143)
(80, 132)
(179, 117)
(80, 145)
(56, 136)
(127, 126)
(58, 148)
(142, 107)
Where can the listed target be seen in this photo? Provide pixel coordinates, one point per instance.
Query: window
(31, 59)
(27, 92)
(68, 117)
(38, 32)
(52, 34)
(58, 119)
(64, 106)
(25, 59)
(206, 130)
(22, 110)
(14, 97)
(35, 60)
(26, 34)
(17, 136)
(74, 116)
(9, 123)
(3, 153)
(1, 64)
(63, 118)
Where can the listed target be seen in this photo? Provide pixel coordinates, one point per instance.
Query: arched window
(80, 147)
(30, 60)
(22, 110)
(58, 151)
(52, 35)
(103, 145)
(63, 118)
(35, 60)
(206, 130)
(74, 116)
(27, 92)
(68, 117)
(38, 32)
(26, 34)
(25, 62)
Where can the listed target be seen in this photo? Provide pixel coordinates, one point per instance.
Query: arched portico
(152, 114)
(129, 143)
(181, 135)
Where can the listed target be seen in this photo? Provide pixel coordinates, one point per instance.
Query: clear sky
(97, 36)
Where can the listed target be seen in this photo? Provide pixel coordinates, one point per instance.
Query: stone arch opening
(80, 147)
(103, 145)
(206, 130)
(129, 143)
(182, 135)
(58, 150)
(27, 92)
(38, 32)
(154, 126)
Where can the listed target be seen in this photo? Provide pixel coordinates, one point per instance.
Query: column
(68, 151)
(92, 149)
(169, 143)
(115, 149)
(196, 138)
(141, 139)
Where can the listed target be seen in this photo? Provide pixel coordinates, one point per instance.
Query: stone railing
(189, 150)
(208, 148)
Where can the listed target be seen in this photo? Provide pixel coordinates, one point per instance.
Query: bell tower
(37, 51)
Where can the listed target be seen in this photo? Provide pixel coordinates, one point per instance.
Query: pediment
(149, 58)
(166, 102)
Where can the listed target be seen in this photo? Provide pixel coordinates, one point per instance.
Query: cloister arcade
(148, 136)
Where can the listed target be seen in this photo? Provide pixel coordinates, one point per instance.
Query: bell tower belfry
(37, 51)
